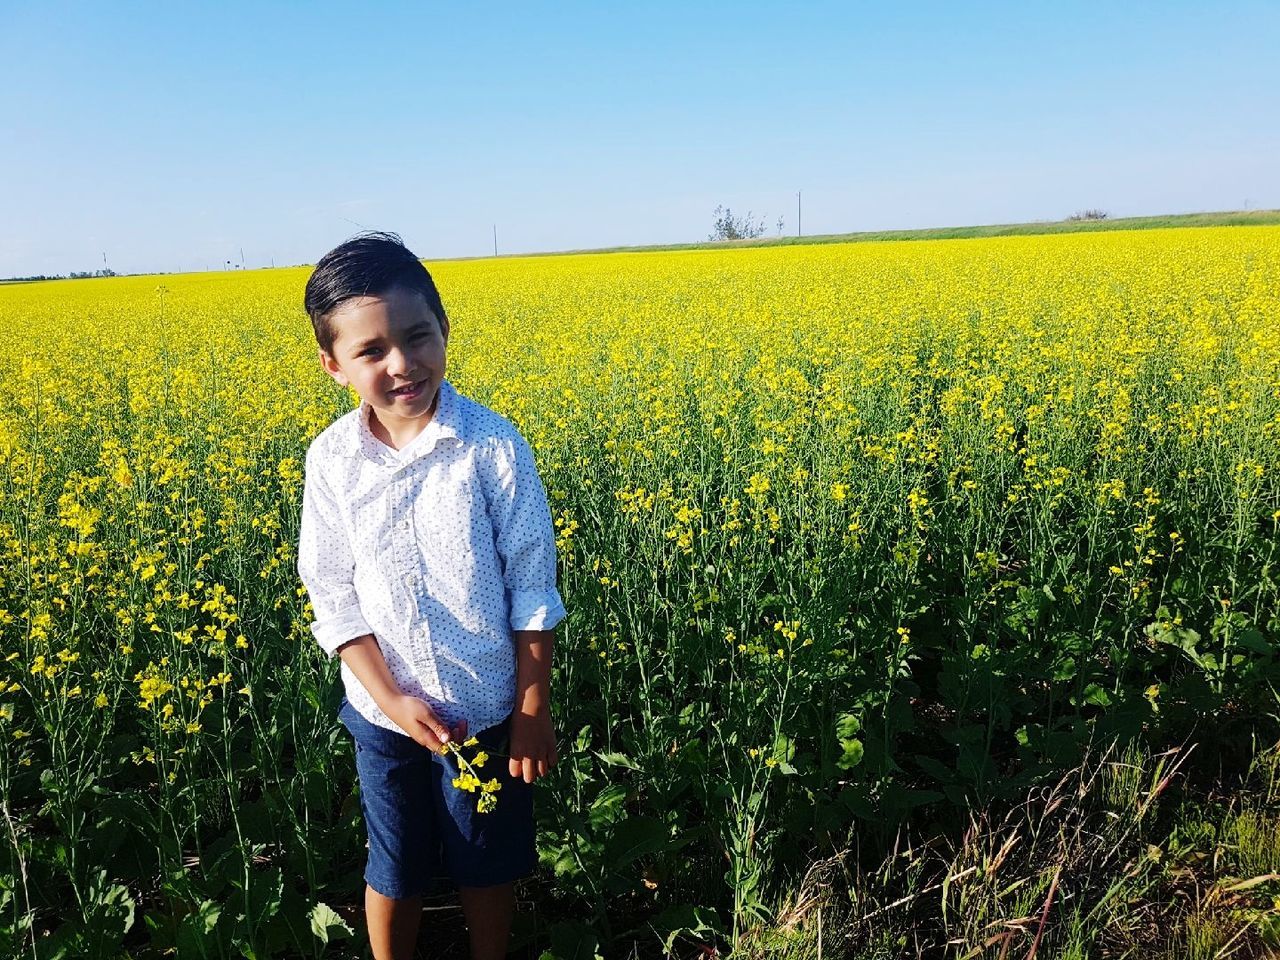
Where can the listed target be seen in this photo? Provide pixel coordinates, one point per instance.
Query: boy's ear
(444, 327)
(332, 369)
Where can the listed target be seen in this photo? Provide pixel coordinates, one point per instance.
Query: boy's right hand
(416, 718)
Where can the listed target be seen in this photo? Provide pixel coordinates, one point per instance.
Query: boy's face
(390, 348)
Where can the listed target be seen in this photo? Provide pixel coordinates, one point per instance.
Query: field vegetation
(1075, 223)
(923, 599)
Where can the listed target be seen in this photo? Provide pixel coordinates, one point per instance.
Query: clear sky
(171, 136)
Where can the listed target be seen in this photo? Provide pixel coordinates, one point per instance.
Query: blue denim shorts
(422, 828)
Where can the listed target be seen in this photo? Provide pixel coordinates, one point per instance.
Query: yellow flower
(122, 475)
(468, 780)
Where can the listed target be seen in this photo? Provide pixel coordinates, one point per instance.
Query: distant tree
(729, 227)
(1090, 214)
(73, 275)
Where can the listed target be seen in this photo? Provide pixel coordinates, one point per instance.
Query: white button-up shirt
(439, 550)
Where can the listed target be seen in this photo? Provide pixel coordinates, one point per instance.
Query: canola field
(851, 536)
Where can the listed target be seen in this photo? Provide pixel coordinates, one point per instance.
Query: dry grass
(1099, 864)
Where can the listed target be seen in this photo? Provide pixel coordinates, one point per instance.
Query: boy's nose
(397, 362)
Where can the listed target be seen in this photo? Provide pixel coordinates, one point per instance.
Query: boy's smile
(390, 348)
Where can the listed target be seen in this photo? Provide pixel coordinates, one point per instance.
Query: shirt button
(409, 579)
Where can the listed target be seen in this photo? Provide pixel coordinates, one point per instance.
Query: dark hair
(368, 264)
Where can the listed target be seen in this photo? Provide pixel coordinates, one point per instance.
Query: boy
(427, 549)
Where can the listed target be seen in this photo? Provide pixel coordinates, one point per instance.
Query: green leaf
(847, 725)
(634, 838)
(615, 759)
(687, 919)
(607, 807)
(784, 748)
(196, 932)
(326, 924)
(935, 768)
(847, 728)
(559, 858)
(851, 756)
(1166, 631)
(1253, 640)
(1064, 669)
(118, 904)
(1096, 696)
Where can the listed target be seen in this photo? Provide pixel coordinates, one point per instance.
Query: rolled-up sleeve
(524, 536)
(326, 565)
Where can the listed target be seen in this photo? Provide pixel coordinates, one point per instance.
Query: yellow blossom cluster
(468, 779)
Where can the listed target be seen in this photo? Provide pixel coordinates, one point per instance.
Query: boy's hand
(533, 740)
(416, 718)
(533, 745)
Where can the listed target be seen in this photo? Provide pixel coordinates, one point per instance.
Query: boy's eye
(414, 338)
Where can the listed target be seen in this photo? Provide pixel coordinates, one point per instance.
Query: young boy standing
(427, 549)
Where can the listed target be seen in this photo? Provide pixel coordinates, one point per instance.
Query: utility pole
(495, 239)
(242, 258)
(799, 222)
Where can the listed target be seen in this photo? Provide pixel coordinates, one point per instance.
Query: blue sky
(171, 136)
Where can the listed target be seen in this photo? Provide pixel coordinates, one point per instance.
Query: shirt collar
(445, 422)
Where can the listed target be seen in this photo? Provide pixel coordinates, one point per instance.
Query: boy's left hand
(533, 745)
